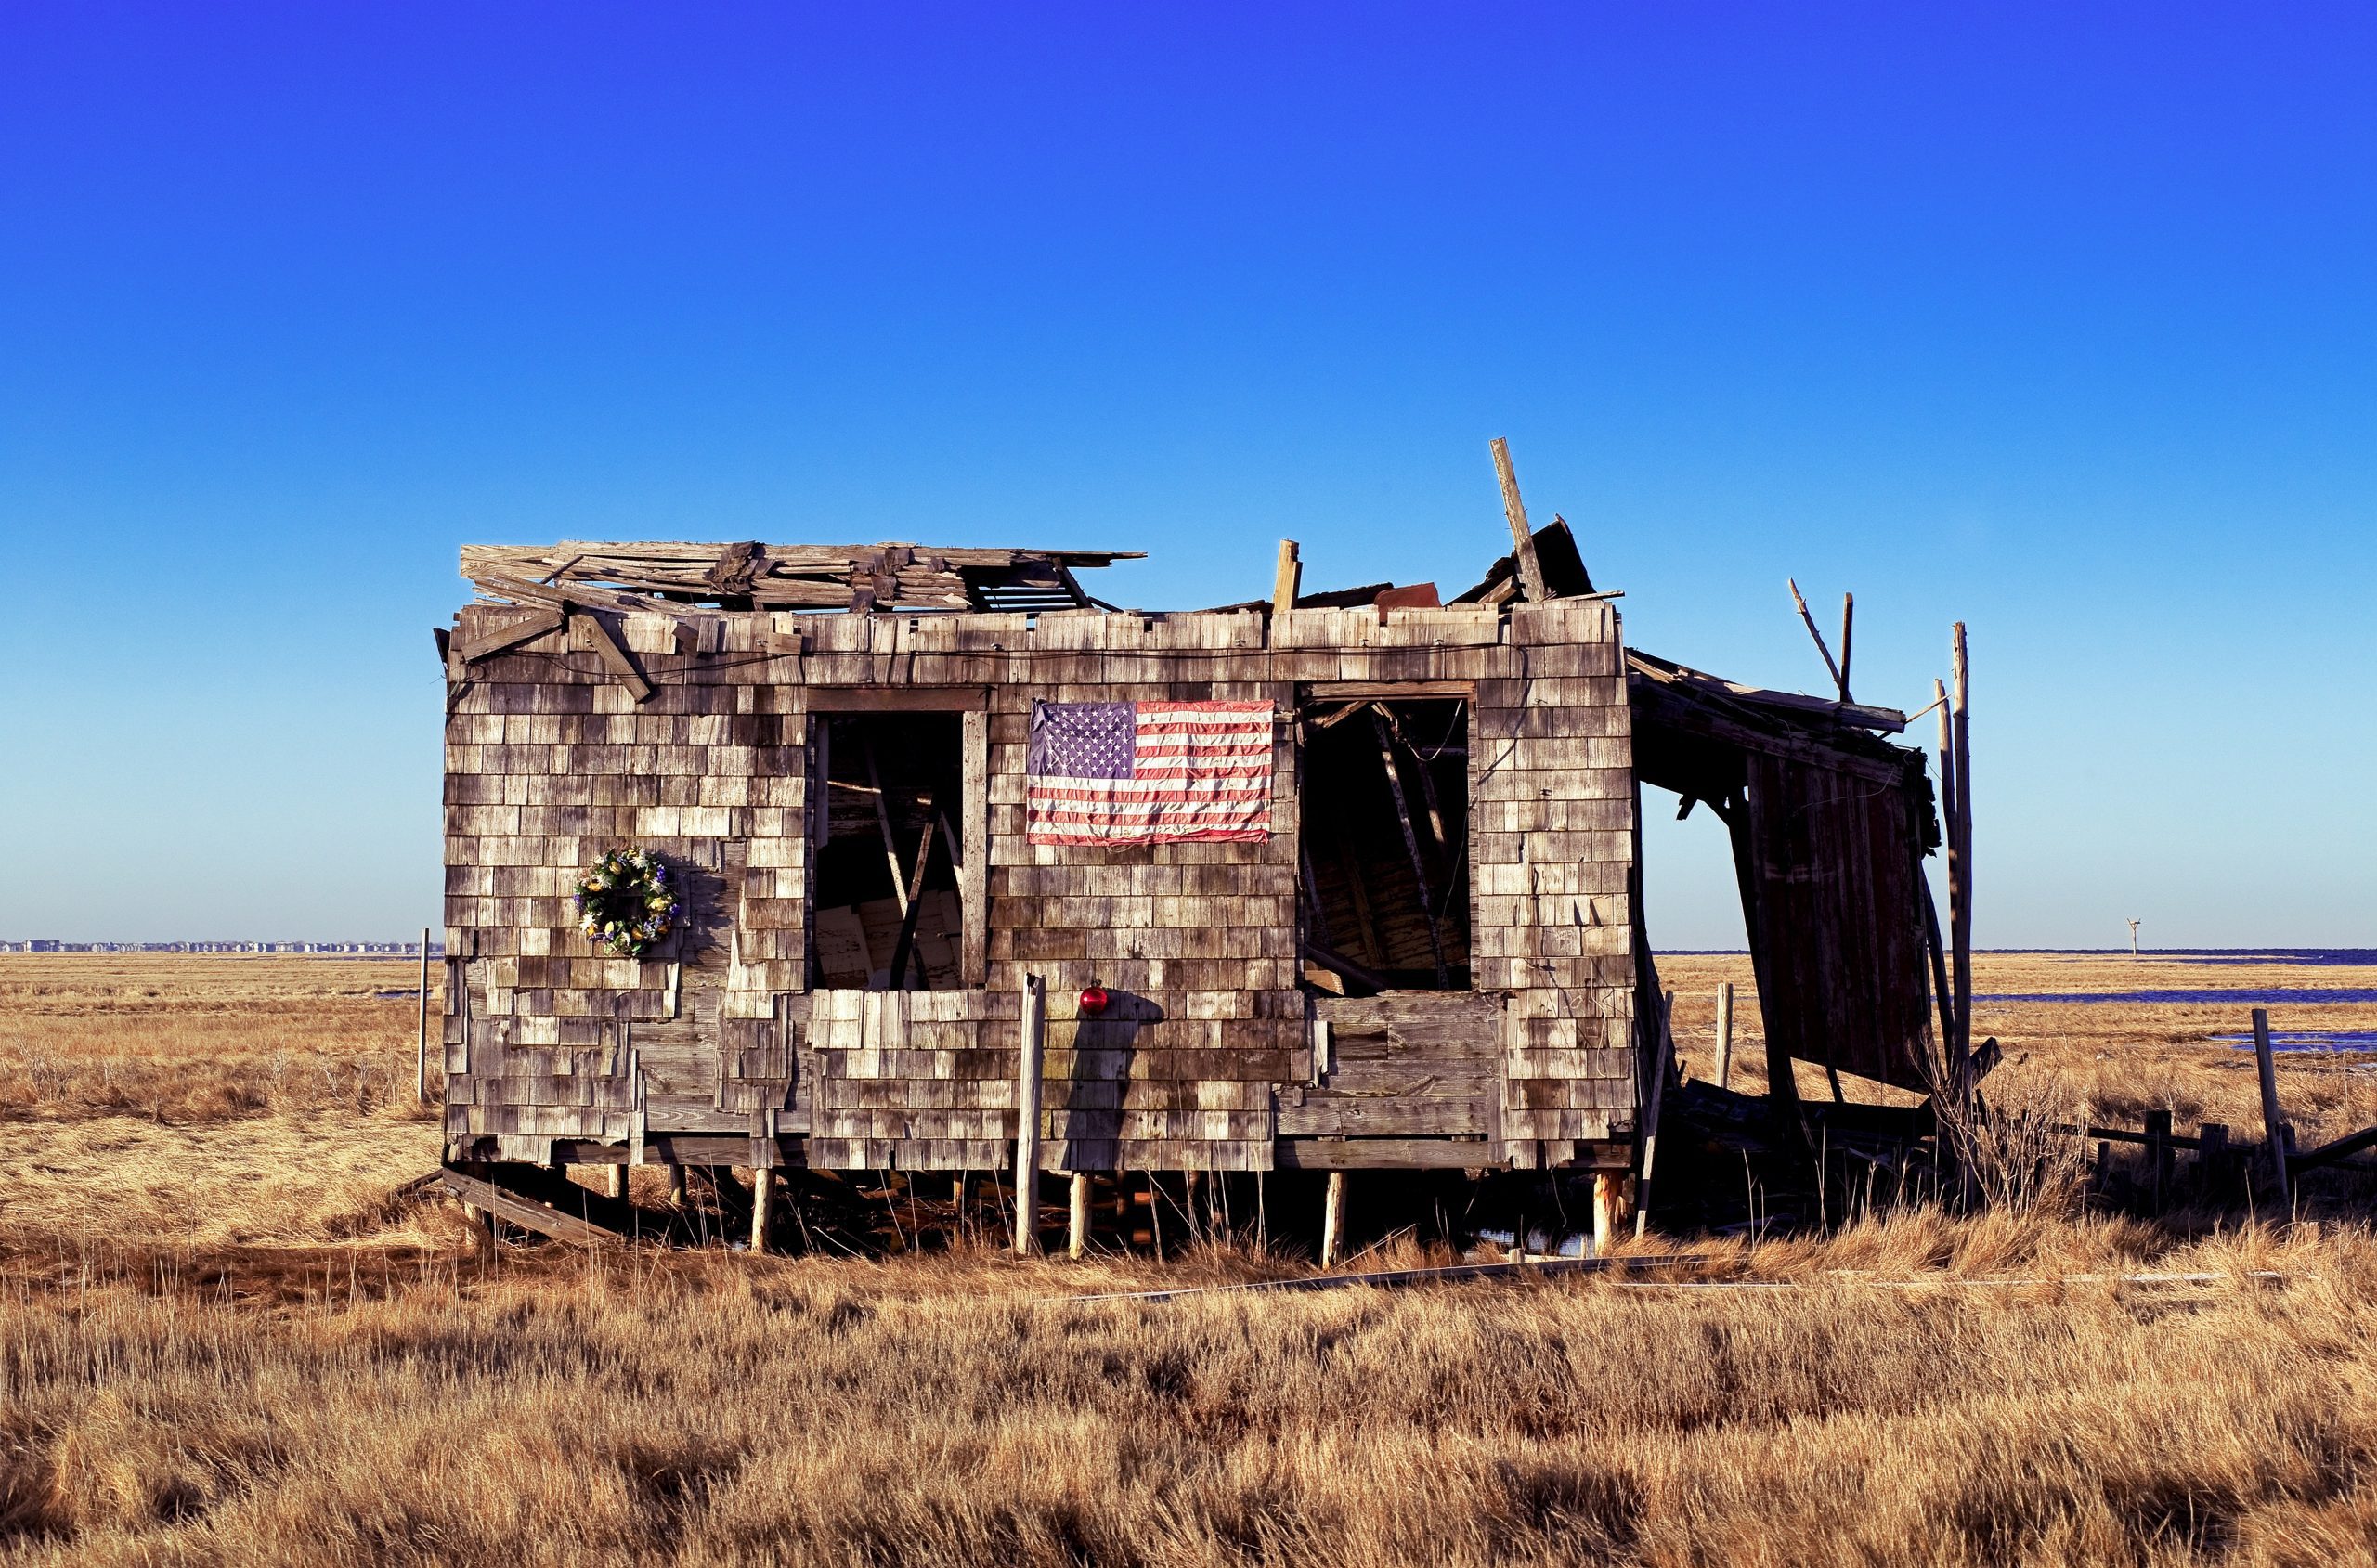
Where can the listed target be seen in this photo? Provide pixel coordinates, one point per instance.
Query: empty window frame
(896, 899)
(1382, 838)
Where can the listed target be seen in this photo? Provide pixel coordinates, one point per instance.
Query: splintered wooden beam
(1839, 684)
(1427, 779)
(1321, 955)
(1288, 580)
(1522, 536)
(590, 633)
(883, 819)
(529, 1214)
(904, 951)
(510, 634)
(1411, 843)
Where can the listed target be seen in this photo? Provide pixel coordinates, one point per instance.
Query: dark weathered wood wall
(1206, 1057)
(1837, 916)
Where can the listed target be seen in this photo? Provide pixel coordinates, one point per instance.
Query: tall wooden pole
(1724, 1034)
(2273, 1120)
(1522, 536)
(1951, 1017)
(1960, 918)
(1027, 1115)
(420, 1048)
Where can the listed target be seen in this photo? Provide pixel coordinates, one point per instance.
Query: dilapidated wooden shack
(1426, 946)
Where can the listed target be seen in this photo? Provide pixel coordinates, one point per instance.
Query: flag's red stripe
(1147, 796)
(1064, 835)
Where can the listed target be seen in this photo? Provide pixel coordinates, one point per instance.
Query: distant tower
(2132, 939)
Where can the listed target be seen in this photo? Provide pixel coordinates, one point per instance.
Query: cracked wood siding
(550, 760)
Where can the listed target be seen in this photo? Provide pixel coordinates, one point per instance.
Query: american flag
(1147, 772)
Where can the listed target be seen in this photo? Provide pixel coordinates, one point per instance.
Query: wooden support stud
(1332, 1221)
(1077, 1227)
(763, 1186)
(1609, 1202)
(1651, 1115)
(1027, 1115)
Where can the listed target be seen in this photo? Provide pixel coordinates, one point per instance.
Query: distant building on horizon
(364, 950)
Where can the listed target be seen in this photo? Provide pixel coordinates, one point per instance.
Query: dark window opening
(1384, 843)
(887, 914)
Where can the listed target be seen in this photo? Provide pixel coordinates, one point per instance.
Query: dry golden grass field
(224, 1339)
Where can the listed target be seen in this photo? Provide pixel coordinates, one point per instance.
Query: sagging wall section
(1206, 1055)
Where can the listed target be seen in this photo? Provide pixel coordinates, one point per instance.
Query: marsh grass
(218, 1343)
(708, 1409)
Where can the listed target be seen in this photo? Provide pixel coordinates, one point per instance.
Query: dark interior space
(1385, 839)
(887, 914)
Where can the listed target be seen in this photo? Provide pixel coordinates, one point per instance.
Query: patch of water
(2308, 1039)
(2273, 997)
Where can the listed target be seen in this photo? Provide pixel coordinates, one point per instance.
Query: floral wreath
(626, 904)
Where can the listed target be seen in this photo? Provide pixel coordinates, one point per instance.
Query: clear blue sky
(2056, 318)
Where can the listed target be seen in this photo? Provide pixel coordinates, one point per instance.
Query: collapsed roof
(752, 576)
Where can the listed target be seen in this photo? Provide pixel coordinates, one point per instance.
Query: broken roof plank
(1855, 715)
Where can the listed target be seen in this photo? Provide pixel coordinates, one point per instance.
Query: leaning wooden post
(1027, 1115)
(421, 1050)
(2272, 1120)
(1651, 1117)
(1077, 1227)
(1724, 1034)
(1288, 580)
(1522, 536)
(1332, 1221)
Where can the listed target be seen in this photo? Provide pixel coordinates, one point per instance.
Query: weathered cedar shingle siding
(1206, 1055)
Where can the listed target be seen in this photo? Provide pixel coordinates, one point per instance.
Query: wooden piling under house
(1333, 881)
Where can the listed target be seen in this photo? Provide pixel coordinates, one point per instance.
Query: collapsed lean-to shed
(1432, 954)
